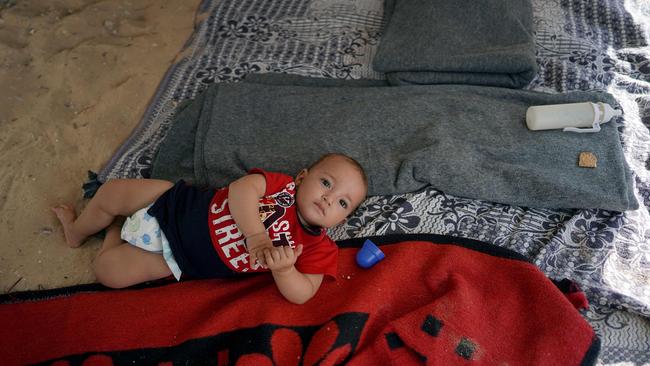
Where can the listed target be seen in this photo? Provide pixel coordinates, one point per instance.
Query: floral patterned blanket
(580, 45)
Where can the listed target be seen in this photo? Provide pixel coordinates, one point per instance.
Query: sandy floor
(75, 77)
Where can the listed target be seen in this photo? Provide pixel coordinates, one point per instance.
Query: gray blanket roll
(481, 42)
(464, 140)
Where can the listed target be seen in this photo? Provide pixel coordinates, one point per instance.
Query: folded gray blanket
(482, 42)
(464, 140)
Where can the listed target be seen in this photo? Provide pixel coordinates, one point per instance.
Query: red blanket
(454, 301)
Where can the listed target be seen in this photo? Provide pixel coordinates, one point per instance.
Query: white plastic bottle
(574, 117)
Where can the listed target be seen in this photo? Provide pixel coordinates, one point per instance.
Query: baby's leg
(117, 197)
(119, 264)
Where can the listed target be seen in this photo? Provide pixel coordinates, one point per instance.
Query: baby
(261, 222)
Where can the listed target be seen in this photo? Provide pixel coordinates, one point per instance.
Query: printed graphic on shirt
(285, 199)
(277, 213)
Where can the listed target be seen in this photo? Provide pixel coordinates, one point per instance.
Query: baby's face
(329, 192)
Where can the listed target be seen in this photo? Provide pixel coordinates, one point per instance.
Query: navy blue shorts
(182, 213)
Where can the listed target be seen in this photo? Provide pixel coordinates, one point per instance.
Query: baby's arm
(243, 200)
(295, 286)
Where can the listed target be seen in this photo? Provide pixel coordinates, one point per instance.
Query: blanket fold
(465, 140)
(487, 42)
(466, 305)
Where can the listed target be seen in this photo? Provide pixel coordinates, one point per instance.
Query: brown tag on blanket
(587, 160)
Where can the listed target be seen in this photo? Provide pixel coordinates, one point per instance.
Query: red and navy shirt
(206, 242)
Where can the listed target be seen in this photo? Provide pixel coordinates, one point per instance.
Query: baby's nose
(326, 199)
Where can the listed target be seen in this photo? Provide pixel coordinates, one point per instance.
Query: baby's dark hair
(350, 160)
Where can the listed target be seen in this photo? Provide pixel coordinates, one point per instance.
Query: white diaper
(143, 231)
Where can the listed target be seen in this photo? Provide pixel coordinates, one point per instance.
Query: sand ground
(75, 78)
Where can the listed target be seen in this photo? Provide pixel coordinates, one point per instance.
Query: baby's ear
(301, 176)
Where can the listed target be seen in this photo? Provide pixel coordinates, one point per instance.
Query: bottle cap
(369, 254)
(603, 113)
(606, 112)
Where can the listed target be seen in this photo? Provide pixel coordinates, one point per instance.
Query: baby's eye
(343, 204)
(325, 182)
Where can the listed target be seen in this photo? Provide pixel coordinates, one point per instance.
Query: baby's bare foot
(66, 215)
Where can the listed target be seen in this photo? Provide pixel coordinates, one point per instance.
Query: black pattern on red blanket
(592, 45)
(375, 316)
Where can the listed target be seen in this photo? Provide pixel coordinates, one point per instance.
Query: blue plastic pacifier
(369, 254)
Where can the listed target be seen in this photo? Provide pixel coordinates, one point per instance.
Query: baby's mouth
(320, 208)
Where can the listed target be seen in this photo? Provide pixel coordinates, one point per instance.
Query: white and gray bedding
(583, 45)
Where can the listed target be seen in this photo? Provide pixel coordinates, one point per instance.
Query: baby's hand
(281, 259)
(256, 245)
